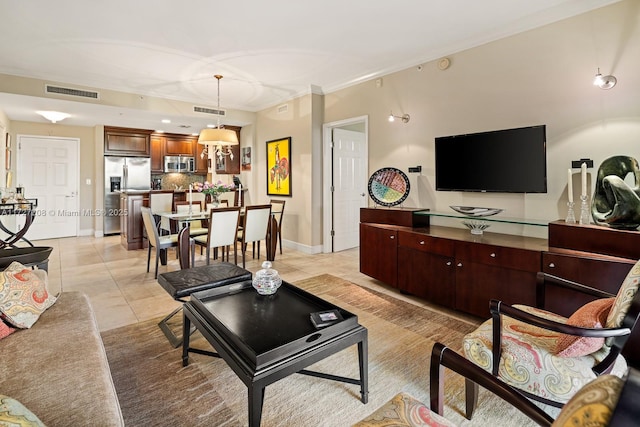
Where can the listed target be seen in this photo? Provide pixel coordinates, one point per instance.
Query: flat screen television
(504, 161)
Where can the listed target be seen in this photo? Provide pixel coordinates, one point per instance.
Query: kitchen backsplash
(171, 181)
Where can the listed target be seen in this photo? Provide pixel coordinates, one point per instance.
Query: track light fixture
(405, 118)
(604, 82)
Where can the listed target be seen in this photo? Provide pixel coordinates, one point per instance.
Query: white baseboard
(311, 250)
(86, 232)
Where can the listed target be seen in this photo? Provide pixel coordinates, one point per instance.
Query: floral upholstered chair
(549, 357)
(607, 401)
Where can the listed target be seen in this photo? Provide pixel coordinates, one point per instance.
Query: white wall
(543, 76)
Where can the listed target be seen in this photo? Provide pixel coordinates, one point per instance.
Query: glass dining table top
(195, 216)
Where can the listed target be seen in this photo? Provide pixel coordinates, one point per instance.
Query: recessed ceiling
(268, 52)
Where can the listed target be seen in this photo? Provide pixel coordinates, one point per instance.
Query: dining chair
(277, 209)
(197, 197)
(159, 203)
(223, 229)
(197, 228)
(221, 204)
(155, 239)
(254, 227)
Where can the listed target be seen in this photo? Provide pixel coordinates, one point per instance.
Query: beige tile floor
(123, 293)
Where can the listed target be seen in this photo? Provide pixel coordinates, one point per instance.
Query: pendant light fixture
(218, 138)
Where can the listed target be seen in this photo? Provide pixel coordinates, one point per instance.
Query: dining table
(185, 218)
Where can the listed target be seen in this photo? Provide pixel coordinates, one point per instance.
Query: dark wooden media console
(451, 267)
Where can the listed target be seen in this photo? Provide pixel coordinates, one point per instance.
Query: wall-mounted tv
(504, 161)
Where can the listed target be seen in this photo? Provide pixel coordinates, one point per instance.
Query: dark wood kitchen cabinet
(179, 145)
(157, 154)
(227, 165)
(126, 142)
(131, 226)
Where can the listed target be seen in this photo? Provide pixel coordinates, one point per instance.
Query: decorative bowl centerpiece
(267, 281)
(476, 226)
(475, 211)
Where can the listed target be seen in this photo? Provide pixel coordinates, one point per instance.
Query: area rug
(155, 390)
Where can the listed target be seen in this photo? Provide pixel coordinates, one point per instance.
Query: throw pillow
(591, 315)
(13, 413)
(593, 404)
(23, 296)
(404, 410)
(624, 297)
(5, 330)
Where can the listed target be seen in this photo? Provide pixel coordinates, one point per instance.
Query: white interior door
(349, 186)
(48, 170)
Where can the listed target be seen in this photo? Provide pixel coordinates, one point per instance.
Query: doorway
(346, 169)
(48, 170)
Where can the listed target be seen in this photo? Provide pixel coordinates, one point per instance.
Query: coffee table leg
(186, 326)
(363, 355)
(256, 398)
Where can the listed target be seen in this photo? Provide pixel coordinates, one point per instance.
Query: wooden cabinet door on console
(425, 267)
(604, 273)
(485, 272)
(379, 253)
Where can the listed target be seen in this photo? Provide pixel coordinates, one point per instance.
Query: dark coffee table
(267, 338)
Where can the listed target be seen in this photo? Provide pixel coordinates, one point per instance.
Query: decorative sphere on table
(267, 280)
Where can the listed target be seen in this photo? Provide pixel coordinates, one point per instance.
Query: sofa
(58, 368)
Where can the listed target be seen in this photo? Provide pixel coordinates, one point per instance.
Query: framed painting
(279, 167)
(245, 159)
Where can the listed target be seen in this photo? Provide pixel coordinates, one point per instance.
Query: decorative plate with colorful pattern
(389, 186)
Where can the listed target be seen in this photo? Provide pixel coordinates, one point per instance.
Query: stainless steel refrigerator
(122, 174)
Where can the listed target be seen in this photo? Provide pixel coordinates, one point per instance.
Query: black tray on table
(268, 328)
(26, 256)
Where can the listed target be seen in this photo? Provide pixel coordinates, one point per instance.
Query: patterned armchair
(548, 357)
(607, 401)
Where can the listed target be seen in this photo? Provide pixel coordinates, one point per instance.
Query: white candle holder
(571, 218)
(584, 210)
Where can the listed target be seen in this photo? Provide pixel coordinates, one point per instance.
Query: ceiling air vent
(71, 92)
(206, 110)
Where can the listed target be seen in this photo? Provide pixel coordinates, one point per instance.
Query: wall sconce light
(604, 82)
(405, 118)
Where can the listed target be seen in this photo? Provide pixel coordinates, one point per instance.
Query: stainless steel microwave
(185, 164)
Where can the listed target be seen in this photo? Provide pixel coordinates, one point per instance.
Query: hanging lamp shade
(218, 137)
